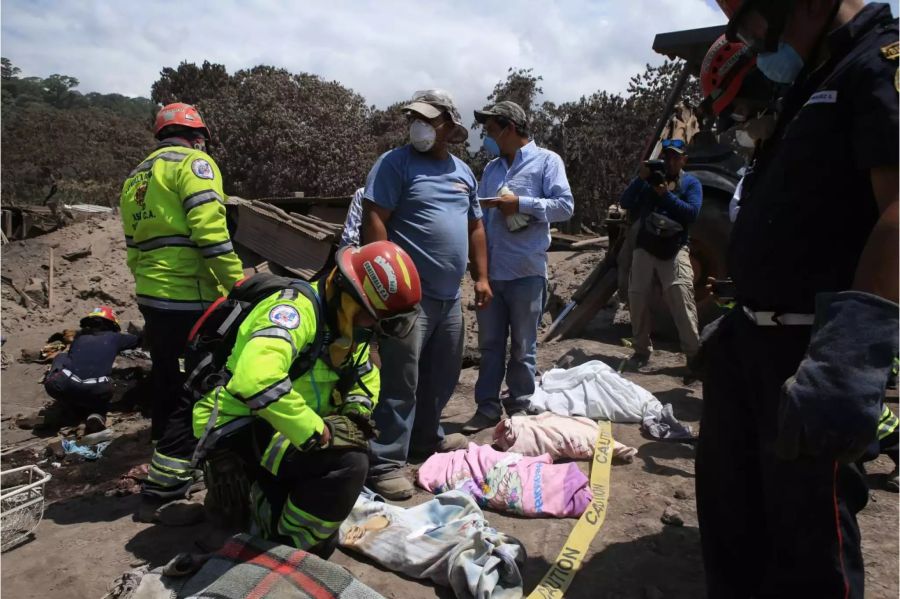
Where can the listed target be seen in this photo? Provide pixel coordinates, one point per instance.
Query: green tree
(58, 90)
(8, 71)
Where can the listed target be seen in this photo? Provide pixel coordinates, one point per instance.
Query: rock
(679, 494)
(54, 449)
(137, 563)
(36, 290)
(672, 517)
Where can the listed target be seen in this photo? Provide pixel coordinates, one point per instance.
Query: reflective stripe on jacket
(173, 214)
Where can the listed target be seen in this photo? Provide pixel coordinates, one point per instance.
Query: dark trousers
(166, 332)
(80, 398)
(890, 446)
(171, 475)
(311, 494)
(768, 527)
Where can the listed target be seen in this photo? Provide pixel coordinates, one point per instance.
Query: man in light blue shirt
(527, 190)
(423, 198)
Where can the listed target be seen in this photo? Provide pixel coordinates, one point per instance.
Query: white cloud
(383, 49)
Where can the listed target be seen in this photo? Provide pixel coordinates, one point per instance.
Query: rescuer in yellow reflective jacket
(179, 249)
(303, 433)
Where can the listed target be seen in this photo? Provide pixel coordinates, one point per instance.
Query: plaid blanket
(256, 569)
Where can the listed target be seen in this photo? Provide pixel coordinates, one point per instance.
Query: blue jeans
(418, 375)
(515, 312)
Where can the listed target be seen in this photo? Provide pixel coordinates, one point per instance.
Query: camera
(657, 172)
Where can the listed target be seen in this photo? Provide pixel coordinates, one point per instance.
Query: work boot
(892, 483)
(94, 423)
(453, 442)
(393, 486)
(479, 422)
(637, 361)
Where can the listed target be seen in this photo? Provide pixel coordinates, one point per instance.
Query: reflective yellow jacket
(173, 213)
(268, 341)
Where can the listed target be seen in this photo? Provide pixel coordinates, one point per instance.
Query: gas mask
(422, 135)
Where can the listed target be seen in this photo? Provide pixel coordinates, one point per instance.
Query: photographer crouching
(668, 200)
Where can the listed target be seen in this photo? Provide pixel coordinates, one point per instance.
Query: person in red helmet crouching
(80, 377)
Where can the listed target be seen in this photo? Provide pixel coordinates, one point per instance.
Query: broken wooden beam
(596, 241)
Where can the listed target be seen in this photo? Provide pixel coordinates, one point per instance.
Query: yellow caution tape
(568, 562)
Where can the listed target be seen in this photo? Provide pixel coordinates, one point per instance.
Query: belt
(77, 379)
(777, 319)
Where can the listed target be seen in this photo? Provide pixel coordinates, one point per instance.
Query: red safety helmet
(104, 312)
(179, 115)
(384, 279)
(724, 69)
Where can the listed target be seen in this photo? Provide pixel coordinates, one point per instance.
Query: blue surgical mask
(491, 147)
(781, 66)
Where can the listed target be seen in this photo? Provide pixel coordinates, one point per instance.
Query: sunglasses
(675, 144)
(397, 326)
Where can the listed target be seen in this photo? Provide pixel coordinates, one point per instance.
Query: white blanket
(595, 390)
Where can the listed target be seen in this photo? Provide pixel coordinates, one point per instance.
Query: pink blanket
(560, 436)
(510, 482)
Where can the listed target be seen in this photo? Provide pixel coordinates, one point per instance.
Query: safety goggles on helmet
(673, 144)
(397, 326)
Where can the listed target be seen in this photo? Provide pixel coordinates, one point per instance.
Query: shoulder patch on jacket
(891, 51)
(202, 169)
(285, 316)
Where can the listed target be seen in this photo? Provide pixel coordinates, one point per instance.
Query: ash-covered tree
(388, 127)
(275, 133)
(189, 83)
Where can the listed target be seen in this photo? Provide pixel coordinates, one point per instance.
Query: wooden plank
(282, 243)
(26, 301)
(8, 224)
(596, 241)
(287, 202)
(329, 214)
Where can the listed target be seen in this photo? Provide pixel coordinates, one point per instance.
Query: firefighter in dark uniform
(795, 375)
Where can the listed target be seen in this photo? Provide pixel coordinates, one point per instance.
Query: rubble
(672, 517)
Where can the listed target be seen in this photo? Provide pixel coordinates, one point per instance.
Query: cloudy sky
(384, 49)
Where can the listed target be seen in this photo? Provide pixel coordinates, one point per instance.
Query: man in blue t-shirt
(423, 198)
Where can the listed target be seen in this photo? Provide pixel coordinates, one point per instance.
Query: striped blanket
(256, 569)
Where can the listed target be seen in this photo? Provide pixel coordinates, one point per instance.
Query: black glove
(831, 406)
(345, 434)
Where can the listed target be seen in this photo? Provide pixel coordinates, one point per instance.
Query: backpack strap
(307, 358)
